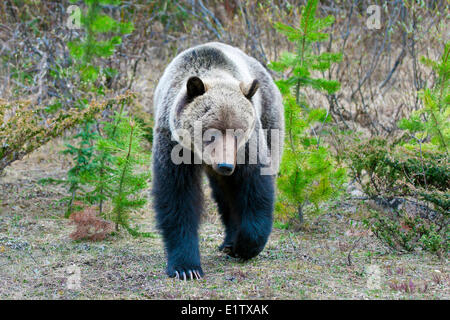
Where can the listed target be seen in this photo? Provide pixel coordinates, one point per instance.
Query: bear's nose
(225, 168)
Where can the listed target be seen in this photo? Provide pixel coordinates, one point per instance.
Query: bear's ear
(249, 90)
(195, 87)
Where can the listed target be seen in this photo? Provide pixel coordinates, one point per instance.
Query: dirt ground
(38, 260)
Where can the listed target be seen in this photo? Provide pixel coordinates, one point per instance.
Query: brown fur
(223, 106)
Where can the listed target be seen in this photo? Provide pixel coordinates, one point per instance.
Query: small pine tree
(308, 171)
(102, 159)
(93, 79)
(123, 183)
(105, 161)
(82, 153)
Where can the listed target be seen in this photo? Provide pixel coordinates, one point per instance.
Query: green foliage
(98, 42)
(309, 173)
(417, 169)
(82, 154)
(403, 232)
(105, 159)
(435, 241)
(120, 154)
(83, 51)
(172, 14)
(429, 127)
(390, 173)
(106, 169)
(369, 167)
(303, 62)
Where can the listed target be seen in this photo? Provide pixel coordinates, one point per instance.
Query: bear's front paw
(185, 273)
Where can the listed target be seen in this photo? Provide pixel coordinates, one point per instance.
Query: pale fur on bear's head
(219, 106)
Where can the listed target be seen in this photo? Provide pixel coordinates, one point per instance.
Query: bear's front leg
(178, 203)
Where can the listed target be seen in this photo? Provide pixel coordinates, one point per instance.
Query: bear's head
(215, 118)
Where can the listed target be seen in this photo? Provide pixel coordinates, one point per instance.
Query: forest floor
(36, 254)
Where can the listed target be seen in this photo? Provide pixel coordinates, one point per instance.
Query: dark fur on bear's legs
(250, 198)
(255, 203)
(178, 202)
(222, 195)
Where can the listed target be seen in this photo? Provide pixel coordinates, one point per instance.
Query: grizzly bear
(218, 112)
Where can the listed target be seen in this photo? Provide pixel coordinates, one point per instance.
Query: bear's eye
(207, 143)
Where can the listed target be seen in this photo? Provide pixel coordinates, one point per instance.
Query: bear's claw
(188, 274)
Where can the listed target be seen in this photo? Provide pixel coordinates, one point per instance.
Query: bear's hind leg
(222, 196)
(255, 202)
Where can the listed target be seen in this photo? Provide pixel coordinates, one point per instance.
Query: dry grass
(36, 251)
